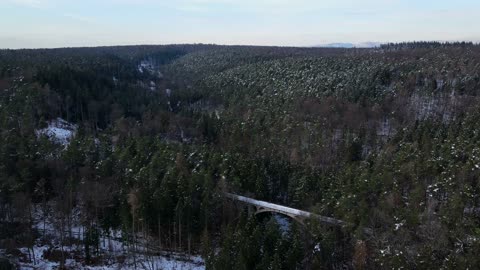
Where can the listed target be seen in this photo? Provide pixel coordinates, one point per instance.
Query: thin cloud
(48, 4)
(30, 3)
(80, 18)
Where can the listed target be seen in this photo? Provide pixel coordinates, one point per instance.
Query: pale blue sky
(60, 23)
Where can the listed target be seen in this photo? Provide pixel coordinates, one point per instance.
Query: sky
(73, 23)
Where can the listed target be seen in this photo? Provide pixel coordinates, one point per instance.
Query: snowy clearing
(42, 262)
(47, 252)
(59, 131)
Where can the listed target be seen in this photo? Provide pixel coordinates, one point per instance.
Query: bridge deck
(285, 210)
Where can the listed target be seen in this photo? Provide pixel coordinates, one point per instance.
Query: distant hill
(351, 45)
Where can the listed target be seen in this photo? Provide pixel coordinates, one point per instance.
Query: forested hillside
(137, 144)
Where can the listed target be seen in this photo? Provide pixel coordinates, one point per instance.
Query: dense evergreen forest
(144, 140)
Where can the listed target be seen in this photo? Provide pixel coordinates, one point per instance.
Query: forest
(132, 148)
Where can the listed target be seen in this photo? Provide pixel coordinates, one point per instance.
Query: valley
(126, 157)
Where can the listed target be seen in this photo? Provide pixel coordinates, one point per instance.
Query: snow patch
(153, 86)
(398, 226)
(146, 65)
(59, 131)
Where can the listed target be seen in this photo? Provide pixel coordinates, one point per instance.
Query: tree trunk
(174, 236)
(62, 226)
(133, 244)
(32, 238)
(159, 233)
(179, 234)
(189, 243)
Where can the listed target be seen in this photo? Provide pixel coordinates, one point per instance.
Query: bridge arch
(293, 217)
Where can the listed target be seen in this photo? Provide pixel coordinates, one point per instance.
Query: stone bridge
(296, 214)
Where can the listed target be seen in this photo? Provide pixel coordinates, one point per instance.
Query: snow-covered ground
(59, 131)
(113, 254)
(146, 65)
(119, 262)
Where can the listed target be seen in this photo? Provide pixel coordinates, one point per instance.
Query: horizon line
(320, 45)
